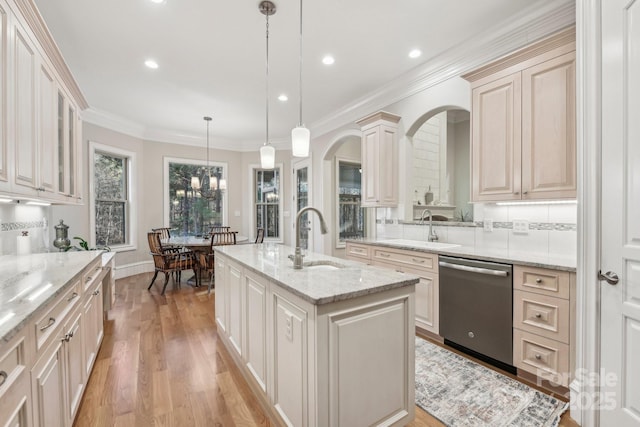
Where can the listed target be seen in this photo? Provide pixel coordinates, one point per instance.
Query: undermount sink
(322, 265)
(419, 244)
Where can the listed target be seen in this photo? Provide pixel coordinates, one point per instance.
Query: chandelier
(208, 187)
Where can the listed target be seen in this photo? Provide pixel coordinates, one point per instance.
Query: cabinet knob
(525, 192)
(516, 192)
(538, 280)
(538, 315)
(538, 357)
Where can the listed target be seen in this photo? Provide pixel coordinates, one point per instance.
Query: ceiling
(211, 57)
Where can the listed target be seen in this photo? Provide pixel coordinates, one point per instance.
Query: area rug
(460, 392)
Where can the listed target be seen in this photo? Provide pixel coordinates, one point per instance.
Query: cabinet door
(255, 351)
(24, 109)
(427, 303)
(221, 293)
(47, 132)
(48, 387)
(548, 129)
(73, 367)
(233, 276)
(387, 174)
(370, 166)
(496, 140)
(4, 142)
(290, 368)
(93, 328)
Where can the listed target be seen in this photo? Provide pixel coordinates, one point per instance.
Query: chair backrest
(155, 248)
(165, 232)
(219, 229)
(223, 238)
(260, 235)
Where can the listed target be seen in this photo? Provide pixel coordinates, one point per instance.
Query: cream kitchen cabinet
(379, 159)
(15, 391)
(424, 265)
(33, 76)
(523, 127)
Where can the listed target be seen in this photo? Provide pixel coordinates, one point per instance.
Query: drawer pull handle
(538, 357)
(89, 278)
(538, 280)
(421, 261)
(67, 336)
(385, 255)
(399, 271)
(3, 377)
(538, 315)
(52, 320)
(96, 292)
(72, 297)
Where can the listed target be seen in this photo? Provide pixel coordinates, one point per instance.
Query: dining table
(197, 244)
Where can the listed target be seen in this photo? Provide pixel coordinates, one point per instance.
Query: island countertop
(29, 282)
(317, 285)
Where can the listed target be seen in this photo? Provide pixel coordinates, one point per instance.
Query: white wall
(17, 218)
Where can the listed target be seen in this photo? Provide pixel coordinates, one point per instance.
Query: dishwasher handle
(474, 269)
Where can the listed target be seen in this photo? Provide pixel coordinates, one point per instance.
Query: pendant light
(300, 135)
(267, 152)
(209, 184)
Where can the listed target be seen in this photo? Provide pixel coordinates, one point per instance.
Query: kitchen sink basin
(419, 244)
(322, 265)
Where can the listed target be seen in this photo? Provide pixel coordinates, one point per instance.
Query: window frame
(252, 180)
(166, 210)
(339, 244)
(131, 210)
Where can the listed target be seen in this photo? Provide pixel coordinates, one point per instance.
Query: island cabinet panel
(255, 346)
(221, 302)
(290, 366)
(233, 276)
(362, 330)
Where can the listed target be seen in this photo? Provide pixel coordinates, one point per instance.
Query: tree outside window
(192, 210)
(267, 202)
(111, 199)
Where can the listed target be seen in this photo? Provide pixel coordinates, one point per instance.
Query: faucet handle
(290, 257)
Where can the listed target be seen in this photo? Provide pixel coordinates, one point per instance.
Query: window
(112, 214)
(190, 209)
(267, 202)
(350, 215)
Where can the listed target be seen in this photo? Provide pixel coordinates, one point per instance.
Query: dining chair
(165, 232)
(260, 235)
(219, 229)
(207, 260)
(169, 262)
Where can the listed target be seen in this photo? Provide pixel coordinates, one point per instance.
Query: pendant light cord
(300, 66)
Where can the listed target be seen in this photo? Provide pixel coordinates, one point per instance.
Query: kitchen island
(330, 344)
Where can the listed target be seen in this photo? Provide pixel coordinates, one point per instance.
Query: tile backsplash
(16, 219)
(551, 229)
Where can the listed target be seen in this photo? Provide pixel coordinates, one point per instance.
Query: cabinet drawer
(546, 358)
(92, 273)
(12, 363)
(419, 260)
(541, 281)
(54, 316)
(542, 315)
(358, 252)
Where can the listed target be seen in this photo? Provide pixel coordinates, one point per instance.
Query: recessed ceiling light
(415, 53)
(328, 60)
(151, 64)
(158, 1)
(283, 98)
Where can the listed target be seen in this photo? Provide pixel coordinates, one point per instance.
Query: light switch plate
(488, 225)
(520, 226)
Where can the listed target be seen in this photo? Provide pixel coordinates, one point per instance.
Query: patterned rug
(460, 392)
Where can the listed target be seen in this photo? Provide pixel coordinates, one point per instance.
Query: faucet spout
(433, 237)
(297, 257)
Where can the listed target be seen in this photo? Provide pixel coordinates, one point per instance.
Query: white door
(620, 240)
(301, 199)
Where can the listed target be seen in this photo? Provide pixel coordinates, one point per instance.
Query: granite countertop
(555, 262)
(317, 285)
(29, 282)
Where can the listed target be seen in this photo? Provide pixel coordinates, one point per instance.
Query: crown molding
(31, 15)
(532, 24)
(113, 122)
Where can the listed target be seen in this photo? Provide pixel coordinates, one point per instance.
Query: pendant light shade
(195, 182)
(267, 157)
(300, 137)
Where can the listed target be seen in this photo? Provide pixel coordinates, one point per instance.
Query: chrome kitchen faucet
(433, 237)
(297, 257)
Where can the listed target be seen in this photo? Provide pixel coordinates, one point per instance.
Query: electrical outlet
(488, 225)
(520, 226)
(289, 326)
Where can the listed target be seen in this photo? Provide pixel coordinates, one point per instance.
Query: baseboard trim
(134, 268)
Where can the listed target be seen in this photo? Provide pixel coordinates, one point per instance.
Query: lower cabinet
(48, 388)
(15, 390)
(319, 365)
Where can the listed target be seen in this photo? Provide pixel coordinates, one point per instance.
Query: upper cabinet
(40, 144)
(523, 124)
(379, 159)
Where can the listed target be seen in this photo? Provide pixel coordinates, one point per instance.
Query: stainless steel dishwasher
(476, 308)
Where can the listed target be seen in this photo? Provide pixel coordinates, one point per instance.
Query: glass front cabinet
(68, 150)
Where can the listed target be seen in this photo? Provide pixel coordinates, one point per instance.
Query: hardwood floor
(160, 364)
